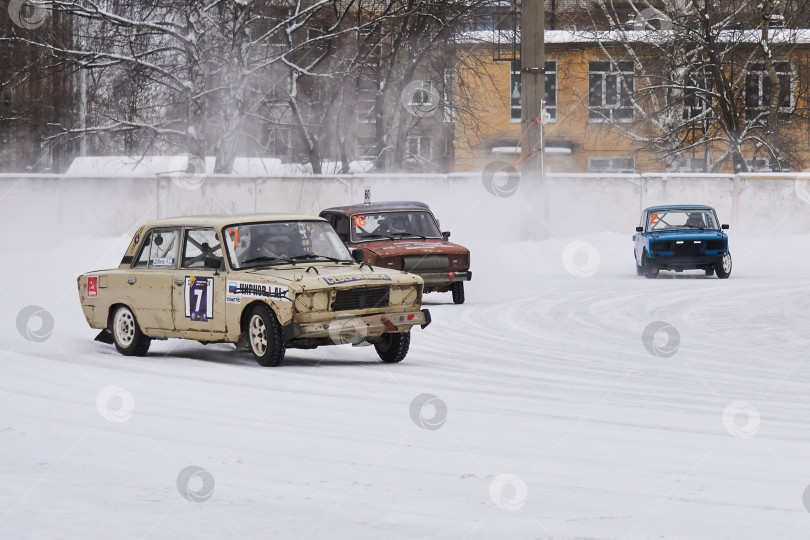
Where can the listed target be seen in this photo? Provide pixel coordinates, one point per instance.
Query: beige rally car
(266, 282)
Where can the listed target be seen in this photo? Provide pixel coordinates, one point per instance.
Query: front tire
(457, 288)
(393, 348)
(127, 335)
(265, 336)
(723, 268)
(710, 272)
(650, 269)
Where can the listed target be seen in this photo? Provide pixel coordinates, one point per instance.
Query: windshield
(253, 245)
(681, 219)
(393, 225)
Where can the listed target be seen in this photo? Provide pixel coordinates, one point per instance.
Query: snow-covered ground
(551, 415)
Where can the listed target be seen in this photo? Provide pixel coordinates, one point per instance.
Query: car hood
(415, 246)
(320, 275)
(688, 234)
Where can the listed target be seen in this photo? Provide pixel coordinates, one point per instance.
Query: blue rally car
(685, 237)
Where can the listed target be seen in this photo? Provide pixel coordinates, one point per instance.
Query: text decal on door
(199, 298)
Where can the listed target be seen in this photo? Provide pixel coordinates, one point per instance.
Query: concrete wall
(50, 208)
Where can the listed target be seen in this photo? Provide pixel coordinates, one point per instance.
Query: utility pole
(532, 86)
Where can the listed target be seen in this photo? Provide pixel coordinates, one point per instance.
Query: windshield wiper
(310, 256)
(267, 259)
(372, 235)
(410, 235)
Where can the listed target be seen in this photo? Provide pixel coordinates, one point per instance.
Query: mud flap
(288, 332)
(105, 337)
(427, 317)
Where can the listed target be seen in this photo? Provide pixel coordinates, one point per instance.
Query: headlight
(314, 301)
(404, 295)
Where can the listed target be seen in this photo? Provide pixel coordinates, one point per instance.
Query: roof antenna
(367, 198)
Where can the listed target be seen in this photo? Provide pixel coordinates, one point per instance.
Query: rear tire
(393, 348)
(127, 335)
(710, 272)
(650, 269)
(723, 268)
(457, 288)
(265, 336)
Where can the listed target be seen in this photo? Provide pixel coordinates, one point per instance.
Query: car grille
(715, 244)
(365, 298)
(662, 246)
(688, 249)
(426, 263)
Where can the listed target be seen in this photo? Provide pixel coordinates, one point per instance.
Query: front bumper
(687, 263)
(373, 325)
(443, 279)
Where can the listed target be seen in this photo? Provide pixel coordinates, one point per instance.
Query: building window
(691, 165)
(624, 165)
(366, 104)
(448, 98)
(767, 164)
(550, 91)
(419, 148)
(758, 90)
(610, 85)
(697, 101)
(366, 148)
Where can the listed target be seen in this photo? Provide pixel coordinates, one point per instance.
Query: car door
(199, 292)
(638, 238)
(147, 285)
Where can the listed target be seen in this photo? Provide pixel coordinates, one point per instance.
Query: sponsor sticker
(92, 286)
(237, 289)
(233, 299)
(336, 280)
(199, 294)
(136, 238)
(164, 261)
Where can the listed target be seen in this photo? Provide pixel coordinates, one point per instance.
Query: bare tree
(719, 78)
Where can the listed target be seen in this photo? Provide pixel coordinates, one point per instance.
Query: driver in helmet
(397, 224)
(274, 246)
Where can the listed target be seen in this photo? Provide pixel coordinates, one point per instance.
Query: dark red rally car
(403, 235)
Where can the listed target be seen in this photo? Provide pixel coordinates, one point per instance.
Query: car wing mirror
(724, 226)
(212, 263)
(639, 229)
(357, 255)
(446, 235)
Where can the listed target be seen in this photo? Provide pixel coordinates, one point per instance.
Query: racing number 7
(198, 293)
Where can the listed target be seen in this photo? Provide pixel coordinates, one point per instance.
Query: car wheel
(265, 336)
(650, 269)
(127, 335)
(639, 268)
(723, 269)
(710, 271)
(393, 348)
(457, 289)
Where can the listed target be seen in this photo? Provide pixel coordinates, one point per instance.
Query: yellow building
(591, 123)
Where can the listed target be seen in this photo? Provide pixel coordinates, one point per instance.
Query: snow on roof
(776, 36)
(546, 150)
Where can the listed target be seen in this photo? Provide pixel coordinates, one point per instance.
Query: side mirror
(357, 255)
(446, 235)
(724, 226)
(639, 229)
(212, 263)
